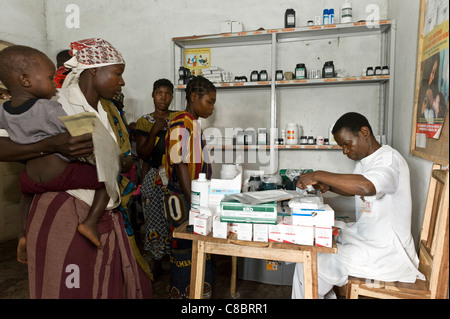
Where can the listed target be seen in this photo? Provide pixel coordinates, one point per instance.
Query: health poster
(197, 59)
(433, 91)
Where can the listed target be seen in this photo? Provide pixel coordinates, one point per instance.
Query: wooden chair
(433, 252)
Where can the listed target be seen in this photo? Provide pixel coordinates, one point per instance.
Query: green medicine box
(232, 211)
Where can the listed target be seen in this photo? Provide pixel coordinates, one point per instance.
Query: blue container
(326, 17)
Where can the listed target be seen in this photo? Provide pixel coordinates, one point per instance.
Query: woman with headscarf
(61, 263)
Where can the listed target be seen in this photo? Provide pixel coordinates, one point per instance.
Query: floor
(14, 280)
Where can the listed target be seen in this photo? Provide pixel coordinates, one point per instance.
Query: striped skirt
(64, 264)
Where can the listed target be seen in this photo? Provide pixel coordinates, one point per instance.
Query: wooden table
(201, 245)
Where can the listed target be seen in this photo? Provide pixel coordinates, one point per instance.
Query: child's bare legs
(88, 227)
(25, 204)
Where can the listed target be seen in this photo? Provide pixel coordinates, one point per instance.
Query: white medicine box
(225, 27)
(202, 224)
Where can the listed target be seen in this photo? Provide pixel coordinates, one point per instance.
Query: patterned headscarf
(90, 53)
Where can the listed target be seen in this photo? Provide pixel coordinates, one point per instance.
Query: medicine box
(225, 26)
(296, 234)
(220, 229)
(245, 232)
(322, 217)
(324, 236)
(232, 211)
(276, 231)
(237, 26)
(202, 224)
(219, 188)
(261, 232)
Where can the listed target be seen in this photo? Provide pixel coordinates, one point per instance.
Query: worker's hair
(162, 82)
(353, 122)
(16, 59)
(199, 85)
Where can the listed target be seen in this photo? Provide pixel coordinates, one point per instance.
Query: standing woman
(185, 160)
(151, 148)
(61, 263)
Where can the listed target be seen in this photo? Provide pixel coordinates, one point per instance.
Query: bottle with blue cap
(326, 17)
(331, 16)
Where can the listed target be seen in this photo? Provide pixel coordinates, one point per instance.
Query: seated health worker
(379, 245)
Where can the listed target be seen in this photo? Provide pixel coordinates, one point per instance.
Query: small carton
(245, 232)
(261, 232)
(276, 231)
(322, 217)
(220, 229)
(202, 224)
(219, 188)
(237, 26)
(233, 227)
(297, 234)
(324, 236)
(192, 215)
(225, 26)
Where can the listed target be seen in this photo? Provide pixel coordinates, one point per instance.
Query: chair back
(434, 239)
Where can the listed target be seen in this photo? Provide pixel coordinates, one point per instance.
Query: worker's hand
(306, 179)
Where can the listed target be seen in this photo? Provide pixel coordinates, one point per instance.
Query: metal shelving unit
(385, 28)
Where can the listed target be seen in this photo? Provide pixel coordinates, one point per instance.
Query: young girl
(185, 160)
(151, 131)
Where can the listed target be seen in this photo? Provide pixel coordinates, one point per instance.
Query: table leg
(197, 270)
(233, 276)
(310, 275)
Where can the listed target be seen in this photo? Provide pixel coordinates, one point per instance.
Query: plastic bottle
(326, 17)
(331, 16)
(331, 139)
(199, 192)
(292, 134)
(347, 13)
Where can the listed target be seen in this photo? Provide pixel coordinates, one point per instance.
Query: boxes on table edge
(232, 211)
(321, 218)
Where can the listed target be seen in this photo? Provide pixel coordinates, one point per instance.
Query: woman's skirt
(177, 210)
(62, 263)
(157, 228)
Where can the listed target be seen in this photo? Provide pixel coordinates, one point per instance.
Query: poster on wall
(430, 131)
(197, 59)
(434, 83)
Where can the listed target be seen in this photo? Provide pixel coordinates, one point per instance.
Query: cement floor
(14, 279)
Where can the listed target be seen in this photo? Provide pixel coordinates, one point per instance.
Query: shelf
(277, 147)
(307, 82)
(282, 35)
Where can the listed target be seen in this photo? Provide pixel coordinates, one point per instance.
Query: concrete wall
(407, 17)
(24, 22)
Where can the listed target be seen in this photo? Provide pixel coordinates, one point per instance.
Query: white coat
(379, 245)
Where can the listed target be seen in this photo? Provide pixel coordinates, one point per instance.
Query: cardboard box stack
(307, 221)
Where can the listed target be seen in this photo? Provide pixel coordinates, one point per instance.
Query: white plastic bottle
(199, 192)
(331, 139)
(292, 134)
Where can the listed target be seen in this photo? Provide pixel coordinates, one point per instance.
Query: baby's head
(27, 70)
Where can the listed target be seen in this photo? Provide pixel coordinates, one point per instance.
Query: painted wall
(24, 22)
(407, 36)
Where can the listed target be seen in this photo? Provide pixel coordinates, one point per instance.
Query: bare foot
(90, 232)
(22, 250)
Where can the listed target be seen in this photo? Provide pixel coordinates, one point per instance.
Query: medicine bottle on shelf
(300, 71)
(328, 70)
(289, 18)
